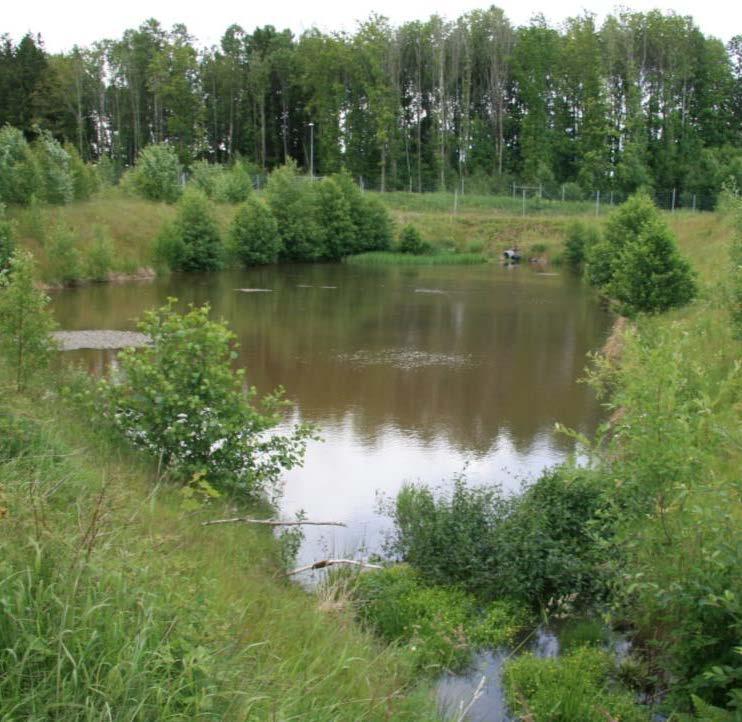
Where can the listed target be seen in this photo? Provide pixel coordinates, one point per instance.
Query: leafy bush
(25, 320)
(580, 238)
(735, 258)
(192, 241)
(180, 400)
(65, 263)
(156, 175)
(410, 241)
(56, 174)
(20, 176)
(233, 185)
(99, 258)
(337, 232)
(7, 242)
(440, 625)
(574, 688)
(85, 179)
(637, 263)
(292, 201)
(204, 176)
(253, 237)
(538, 546)
(372, 225)
(650, 275)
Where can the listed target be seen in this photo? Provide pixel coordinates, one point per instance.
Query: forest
(644, 100)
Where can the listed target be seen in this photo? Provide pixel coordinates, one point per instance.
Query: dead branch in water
(322, 563)
(271, 522)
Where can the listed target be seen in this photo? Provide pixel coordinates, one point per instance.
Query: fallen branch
(271, 522)
(329, 562)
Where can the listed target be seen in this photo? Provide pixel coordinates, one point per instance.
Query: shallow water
(409, 373)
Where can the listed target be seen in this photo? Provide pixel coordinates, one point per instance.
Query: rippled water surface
(409, 373)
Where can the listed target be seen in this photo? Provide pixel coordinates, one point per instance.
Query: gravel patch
(74, 340)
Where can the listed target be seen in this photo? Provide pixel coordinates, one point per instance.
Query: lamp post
(311, 151)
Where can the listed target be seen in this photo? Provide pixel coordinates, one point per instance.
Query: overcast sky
(63, 24)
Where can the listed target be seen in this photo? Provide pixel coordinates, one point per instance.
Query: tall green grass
(115, 603)
(389, 258)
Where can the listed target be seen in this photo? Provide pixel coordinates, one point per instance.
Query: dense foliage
(191, 242)
(156, 175)
(180, 400)
(410, 241)
(7, 239)
(253, 236)
(643, 99)
(637, 262)
(25, 320)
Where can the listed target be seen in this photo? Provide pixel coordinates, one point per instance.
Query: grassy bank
(118, 604)
(389, 258)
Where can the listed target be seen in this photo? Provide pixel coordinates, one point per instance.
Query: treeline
(644, 100)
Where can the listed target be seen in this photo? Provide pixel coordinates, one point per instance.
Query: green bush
(292, 202)
(580, 238)
(56, 172)
(649, 274)
(253, 236)
(410, 241)
(84, 177)
(337, 233)
(63, 256)
(192, 241)
(538, 546)
(234, 184)
(735, 262)
(180, 400)
(577, 687)
(99, 258)
(7, 241)
(156, 175)
(637, 263)
(204, 176)
(372, 225)
(25, 320)
(20, 175)
(440, 625)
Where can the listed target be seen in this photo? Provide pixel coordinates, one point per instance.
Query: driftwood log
(271, 522)
(323, 563)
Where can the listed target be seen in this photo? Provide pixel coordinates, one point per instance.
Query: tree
(337, 234)
(410, 241)
(25, 320)
(180, 399)
(20, 175)
(56, 175)
(253, 236)
(7, 241)
(156, 175)
(192, 241)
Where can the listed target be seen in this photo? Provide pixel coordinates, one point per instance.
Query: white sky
(64, 24)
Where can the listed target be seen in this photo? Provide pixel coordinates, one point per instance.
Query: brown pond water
(409, 373)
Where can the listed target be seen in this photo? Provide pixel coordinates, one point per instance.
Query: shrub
(192, 241)
(63, 256)
(337, 233)
(20, 176)
(372, 225)
(156, 175)
(580, 238)
(99, 259)
(440, 625)
(253, 237)
(292, 201)
(233, 185)
(649, 273)
(410, 241)
(539, 546)
(180, 400)
(574, 688)
(84, 177)
(56, 174)
(7, 242)
(204, 176)
(25, 320)
(735, 258)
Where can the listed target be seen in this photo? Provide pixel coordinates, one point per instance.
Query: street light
(311, 151)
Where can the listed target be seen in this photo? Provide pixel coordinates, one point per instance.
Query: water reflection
(410, 373)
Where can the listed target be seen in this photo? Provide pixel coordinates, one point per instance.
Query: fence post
(524, 202)
(694, 201)
(540, 190)
(455, 200)
(672, 207)
(611, 197)
(513, 191)
(562, 192)
(597, 203)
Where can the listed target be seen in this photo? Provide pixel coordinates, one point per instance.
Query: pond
(410, 374)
